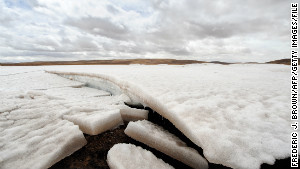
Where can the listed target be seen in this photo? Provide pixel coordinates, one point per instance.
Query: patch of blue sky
(18, 4)
(141, 7)
(142, 12)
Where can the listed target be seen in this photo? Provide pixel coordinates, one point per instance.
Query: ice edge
(143, 97)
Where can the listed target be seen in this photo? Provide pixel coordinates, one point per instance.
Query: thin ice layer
(236, 113)
(32, 135)
(94, 115)
(163, 141)
(93, 110)
(132, 114)
(96, 122)
(129, 156)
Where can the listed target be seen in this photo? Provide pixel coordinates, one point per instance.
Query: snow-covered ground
(42, 117)
(32, 132)
(236, 113)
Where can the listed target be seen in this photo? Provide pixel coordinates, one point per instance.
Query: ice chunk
(132, 114)
(33, 136)
(160, 139)
(96, 122)
(129, 156)
(94, 115)
(33, 129)
(39, 147)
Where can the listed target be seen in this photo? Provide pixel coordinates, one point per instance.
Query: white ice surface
(31, 133)
(95, 115)
(92, 109)
(40, 114)
(163, 141)
(129, 156)
(31, 80)
(236, 113)
(95, 122)
(75, 93)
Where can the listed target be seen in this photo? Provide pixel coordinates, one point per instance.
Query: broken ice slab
(132, 114)
(163, 141)
(75, 93)
(96, 122)
(129, 156)
(32, 135)
(96, 114)
(46, 143)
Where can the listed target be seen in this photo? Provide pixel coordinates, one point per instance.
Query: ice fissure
(136, 95)
(104, 83)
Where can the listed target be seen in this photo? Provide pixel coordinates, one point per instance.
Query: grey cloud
(81, 44)
(199, 20)
(6, 21)
(219, 19)
(233, 29)
(86, 44)
(118, 47)
(112, 9)
(100, 26)
(178, 51)
(44, 44)
(47, 42)
(228, 29)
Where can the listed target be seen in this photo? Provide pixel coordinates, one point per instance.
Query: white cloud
(204, 30)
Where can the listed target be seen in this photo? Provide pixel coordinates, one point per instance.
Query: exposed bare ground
(132, 61)
(112, 62)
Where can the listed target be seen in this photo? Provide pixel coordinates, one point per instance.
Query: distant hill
(282, 61)
(132, 61)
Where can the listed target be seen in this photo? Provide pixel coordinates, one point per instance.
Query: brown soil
(282, 61)
(109, 62)
(94, 154)
(132, 61)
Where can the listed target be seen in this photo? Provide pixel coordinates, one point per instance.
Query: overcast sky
(224, 30)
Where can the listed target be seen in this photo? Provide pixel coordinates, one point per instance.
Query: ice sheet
(34, 106)
(160, 139)
(75, 93)
(129, 156)
(31, 80)
(32, 135)
(236, 113)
